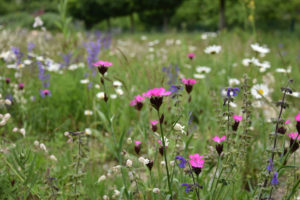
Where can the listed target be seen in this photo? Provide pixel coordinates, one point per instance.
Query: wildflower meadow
(150, 115)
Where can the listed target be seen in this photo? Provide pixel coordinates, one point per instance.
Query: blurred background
(154, 15)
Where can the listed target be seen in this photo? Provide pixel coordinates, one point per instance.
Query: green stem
(165, 154)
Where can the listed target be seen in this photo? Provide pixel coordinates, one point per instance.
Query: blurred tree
(222, 20)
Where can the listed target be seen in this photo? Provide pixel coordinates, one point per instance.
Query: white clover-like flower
(259, 91)
(199, 76)
(156, 190)
(146, 161)
(88, 112)
(105, 197)
(260, 49)
(37, 22)
(117, 84)
(7, 102)
(52, 157)
(172, 162)
(22, 131)
(101, 178)
(100, 95)
(233, 81)
(129, 163)
(88, 131)
(113, 96)
(163, 163)
(214, 49)
(116, 193)
(179, 127)
(43, 147)
(36, 143)
(84, 81)
(119, 91)
(203, 69)
(129, 140)
(141, 160)
(15, 130)
(6, 116)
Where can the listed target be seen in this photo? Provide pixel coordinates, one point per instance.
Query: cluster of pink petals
(191, 55)
(298, 117)
(219, 139)
(21, 84)
(237, 118)
(294, 136)
(102, 63)
(136, 100)
(46, 91)
(188, 81)
(156, 92)
(137, 143)
(196, 160)
(287, 121)
(153, 122)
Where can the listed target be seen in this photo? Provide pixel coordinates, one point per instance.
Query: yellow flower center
(260, 91)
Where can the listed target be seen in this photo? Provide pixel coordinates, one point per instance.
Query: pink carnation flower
(188, 81)
(156, 92)
(153, 122)
(191, 55)
(137, 143)
(219, 139)
(137, 99)
(196, 160)
(298, 117)
(102, 63)
(294, 136)
(21, 86)
(287, 121)
(237, 118)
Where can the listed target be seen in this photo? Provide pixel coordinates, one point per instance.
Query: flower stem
(165, 153)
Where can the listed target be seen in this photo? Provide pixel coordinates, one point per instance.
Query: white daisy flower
(264, 66)
(203, 69)
(100, 95)
(214, 49)
(37, 22)
(119, 91)
(260, 49)
(233, 81)
(113, 96)
(199, 76)
(283, 70)
(88, 112)
(84, 81)
(294, 94)
(250, 61)
(259, 91)
(117, 84)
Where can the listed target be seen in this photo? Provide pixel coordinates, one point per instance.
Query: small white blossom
(100, 95)
(129, 140)
(37, 22)
(52, 157)
(129, 163)
(214, 49)
(84, 81)
(88, 112)
(15, 130)
(43, 147)
(36, 143)
(101, 178)
(156, 190)
(22, 131)
(119, 91)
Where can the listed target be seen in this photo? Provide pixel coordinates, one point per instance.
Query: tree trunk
(166, 23)
(132, 27)
(222, 20)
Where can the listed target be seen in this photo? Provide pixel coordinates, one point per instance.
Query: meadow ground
(72, 133)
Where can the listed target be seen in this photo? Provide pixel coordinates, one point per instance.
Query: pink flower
(196, 160)
(287, 121)
(156, 92)
(137, 99)
(188, 81)
(298, 117)
(294, 136)
(191, 55)
(219, 139)
(21, 86)
(102, 66)
(102, 63)
(237, 118)
(137, 143)
(153, 122)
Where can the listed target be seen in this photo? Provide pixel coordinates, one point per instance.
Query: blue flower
(270, 167)
(275, 179)
(182, 161)
(232, 92)
(188, 187)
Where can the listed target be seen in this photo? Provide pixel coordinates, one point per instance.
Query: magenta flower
(45, 93)
(102, 66)
(21, 86)
(196, 162)
(219, 146)
(156, 96)
(297, 117)
(191, 56)
(219, 139)
(237, 119)
(7, 80)
(137, 102)
(188, 84)
(154, 125)
(137, 146)
(287, 121)
(294, 141)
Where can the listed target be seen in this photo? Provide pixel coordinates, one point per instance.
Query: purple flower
(44, 78)
(188, 187)
(182, 161)
(232, 92)
(93, 49)
(45, 93)
(67, 59)
(270, 166)
(275, 179)
(30, 46)
(18, 54)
